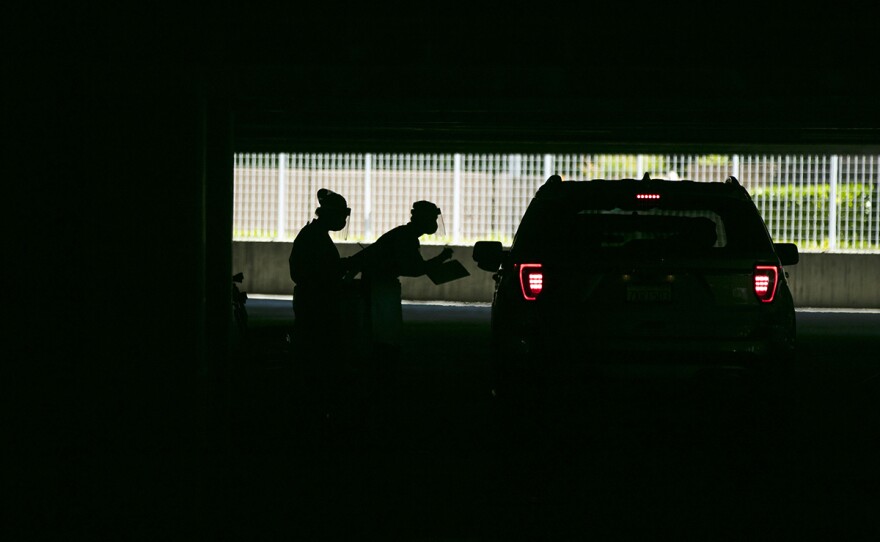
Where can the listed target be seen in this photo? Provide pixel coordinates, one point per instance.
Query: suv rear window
(717, 227)
(618, 228)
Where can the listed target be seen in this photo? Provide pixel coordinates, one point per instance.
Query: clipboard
(447, 272)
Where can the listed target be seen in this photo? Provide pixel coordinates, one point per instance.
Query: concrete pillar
(218, 227)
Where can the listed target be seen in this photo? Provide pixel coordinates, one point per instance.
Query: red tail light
(531, 280)
(647, 196)
(765, 279)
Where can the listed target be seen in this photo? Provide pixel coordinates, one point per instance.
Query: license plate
(648, 294)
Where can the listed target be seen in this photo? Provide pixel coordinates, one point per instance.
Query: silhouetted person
(395, 254)
(320, 345)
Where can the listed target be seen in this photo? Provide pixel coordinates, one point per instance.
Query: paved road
(436, 459)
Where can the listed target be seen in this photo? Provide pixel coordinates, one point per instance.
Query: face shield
(441, 228)
(343, 233)
(429, 219)
(337, 221)
(433, 226)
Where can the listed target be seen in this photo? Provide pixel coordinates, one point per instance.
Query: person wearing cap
(396, 254)
(317, 271)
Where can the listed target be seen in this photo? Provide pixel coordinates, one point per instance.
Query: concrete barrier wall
(836, 280)
(819, 280)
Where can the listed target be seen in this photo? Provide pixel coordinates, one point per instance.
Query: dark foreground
(435, 458)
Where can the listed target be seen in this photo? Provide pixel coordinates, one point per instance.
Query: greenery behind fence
(801, 214)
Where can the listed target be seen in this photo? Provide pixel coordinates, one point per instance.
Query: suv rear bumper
(525, 354)
(589, 336)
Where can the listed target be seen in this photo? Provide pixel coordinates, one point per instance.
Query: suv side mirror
(787, 252)
(488, 255)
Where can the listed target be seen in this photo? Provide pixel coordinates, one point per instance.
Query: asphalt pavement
(432, 456)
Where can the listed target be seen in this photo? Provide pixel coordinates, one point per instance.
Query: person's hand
(354, 262)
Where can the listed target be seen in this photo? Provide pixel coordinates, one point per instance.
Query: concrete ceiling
(519, 76)
(603, 76)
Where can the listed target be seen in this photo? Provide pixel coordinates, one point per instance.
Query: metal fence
(821, 202)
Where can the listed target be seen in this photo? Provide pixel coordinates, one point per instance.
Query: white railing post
(876, 176)
(832, 205)
(548, 166)
(456, 199)
(640, 166)
(515, 166)
(735, 170)
(368, 197)
(281, 230)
